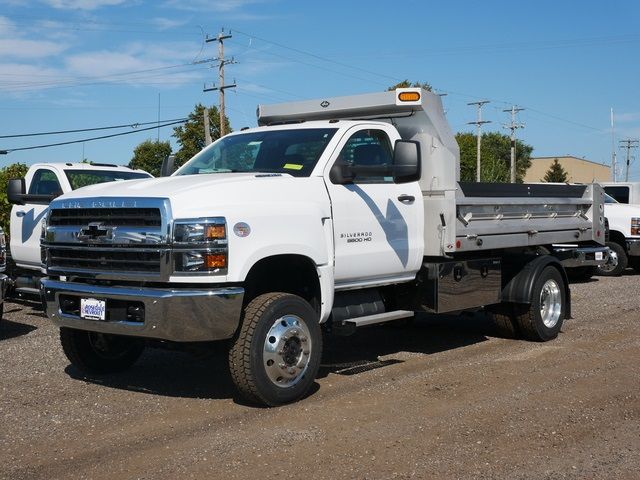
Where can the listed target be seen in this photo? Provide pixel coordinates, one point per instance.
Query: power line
(113, 127)
(9, 150)
(318, 57)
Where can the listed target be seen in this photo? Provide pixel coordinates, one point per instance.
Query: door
(26, 220)
(377, 223)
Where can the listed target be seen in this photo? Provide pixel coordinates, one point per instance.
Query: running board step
(378, 318)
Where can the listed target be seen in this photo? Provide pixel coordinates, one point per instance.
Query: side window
(369, 148)
(621, 194)
(44, 182)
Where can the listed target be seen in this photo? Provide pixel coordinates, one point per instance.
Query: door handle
(21, 213)
(406, 198)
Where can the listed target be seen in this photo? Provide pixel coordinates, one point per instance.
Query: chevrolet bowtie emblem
(95, 232)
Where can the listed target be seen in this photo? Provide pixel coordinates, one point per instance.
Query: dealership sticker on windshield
(292, 166)
(93, 309)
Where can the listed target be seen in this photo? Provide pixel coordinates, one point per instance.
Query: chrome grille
(113, 260)
(109, 238)
(120, 217)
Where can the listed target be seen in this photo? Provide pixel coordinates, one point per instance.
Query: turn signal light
(215, 260)
(409, 96)
(214, 232)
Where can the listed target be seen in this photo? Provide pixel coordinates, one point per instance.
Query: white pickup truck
(338, 212)
(31, 196)
(3, 265)
(624, 232)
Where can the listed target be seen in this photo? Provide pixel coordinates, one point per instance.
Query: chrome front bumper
(179, 315)
(633, 247)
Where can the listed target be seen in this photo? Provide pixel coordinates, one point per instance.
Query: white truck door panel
(26, 220)
(376, 222)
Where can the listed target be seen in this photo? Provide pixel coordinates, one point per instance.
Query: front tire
(100, 353)
(618, 252)
(275, 358)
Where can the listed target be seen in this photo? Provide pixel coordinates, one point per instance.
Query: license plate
(93, 309)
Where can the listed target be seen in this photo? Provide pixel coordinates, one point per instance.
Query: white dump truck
(31, 197)
(338, 212)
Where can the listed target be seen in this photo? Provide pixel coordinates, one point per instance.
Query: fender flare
(519, 288)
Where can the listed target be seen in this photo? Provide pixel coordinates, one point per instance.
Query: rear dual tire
(541, 320)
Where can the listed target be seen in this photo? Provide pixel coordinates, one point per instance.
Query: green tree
(495, 154)
(149, 156)
(190, 136)
(16, 170)
(556, 173)
(408, 84)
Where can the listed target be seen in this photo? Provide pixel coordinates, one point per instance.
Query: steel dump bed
(495, 215)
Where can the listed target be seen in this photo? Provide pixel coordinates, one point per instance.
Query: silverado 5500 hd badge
(357, 237)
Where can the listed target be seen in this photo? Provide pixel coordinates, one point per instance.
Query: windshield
(82, 178)
(609, 199)
(295, 152)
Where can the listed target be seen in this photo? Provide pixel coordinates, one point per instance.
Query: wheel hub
(287, 351)
(611, 264)
(550, 303)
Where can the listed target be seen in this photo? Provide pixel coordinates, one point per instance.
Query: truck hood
(205, 194)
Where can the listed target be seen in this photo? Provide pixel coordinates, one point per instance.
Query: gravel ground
(443, 398)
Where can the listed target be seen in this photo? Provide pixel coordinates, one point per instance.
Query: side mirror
(341, 173)
(168, 166)
(406, 161)
(16, 190)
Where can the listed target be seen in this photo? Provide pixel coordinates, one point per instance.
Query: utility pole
(207, 130)
(220, 38)
(630, 143)
(513, 126)
(613, 149)
(478, 123)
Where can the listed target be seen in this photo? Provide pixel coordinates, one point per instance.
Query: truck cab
(623, 192)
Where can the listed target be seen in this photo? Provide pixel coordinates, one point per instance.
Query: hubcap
(611, 264)
(287, 351)
(550, 303)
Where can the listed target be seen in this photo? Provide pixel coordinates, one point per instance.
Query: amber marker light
(215, 260)
(409, 96)
(214, 232)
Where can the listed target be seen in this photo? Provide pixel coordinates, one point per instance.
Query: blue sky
(69, 64)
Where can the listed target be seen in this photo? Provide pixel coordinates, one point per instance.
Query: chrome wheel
(287, 351)
(611, 264)
(550, 303)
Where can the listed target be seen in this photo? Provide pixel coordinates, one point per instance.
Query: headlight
(200, 245)
(635, 226)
